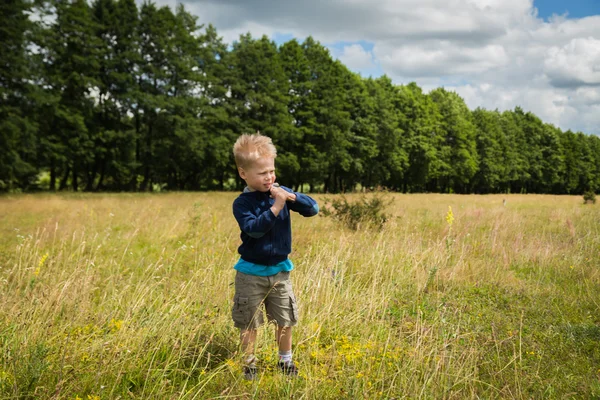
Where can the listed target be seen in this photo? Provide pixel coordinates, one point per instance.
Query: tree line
(110, 96)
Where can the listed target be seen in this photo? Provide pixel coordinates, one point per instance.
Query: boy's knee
(283, 310)
(245, 314)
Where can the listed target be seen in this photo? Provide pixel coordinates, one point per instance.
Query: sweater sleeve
(304, 204)
(254, 226)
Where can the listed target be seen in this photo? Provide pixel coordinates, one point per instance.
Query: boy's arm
(303, 204)
(254, 226)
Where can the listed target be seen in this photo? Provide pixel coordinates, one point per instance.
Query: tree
(362, 134)
(491, 176)
(295, 65)
(552, 161)
(421, 140)
(324, 119)
(17, 130)
(153, 76)
(70, 72)
(458, 147)
(516, 157)
(594, 144)
(218, 115)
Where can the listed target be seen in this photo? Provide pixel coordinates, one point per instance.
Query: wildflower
(115, 324)
(93, 397)
(449, 216)
(43, 260)
(40, 264)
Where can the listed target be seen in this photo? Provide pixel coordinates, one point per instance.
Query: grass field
(129, 296)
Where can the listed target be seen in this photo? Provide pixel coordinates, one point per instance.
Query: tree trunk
(102, 172)
(133, 182)
(75, 183)
(146, 180)
(91, 177)
(63, 182)
(52, 175)
(147, 159)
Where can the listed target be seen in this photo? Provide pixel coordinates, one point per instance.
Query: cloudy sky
(542, 55)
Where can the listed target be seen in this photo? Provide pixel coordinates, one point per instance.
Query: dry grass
(128, 296)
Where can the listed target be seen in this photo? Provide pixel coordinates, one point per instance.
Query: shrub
(367, 211)
(589, 197)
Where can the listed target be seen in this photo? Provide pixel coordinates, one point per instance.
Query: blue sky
(574, 8)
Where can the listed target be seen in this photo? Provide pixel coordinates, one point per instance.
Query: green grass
(129, 296)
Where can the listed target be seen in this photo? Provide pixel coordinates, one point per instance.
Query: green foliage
(366, 212)
(100, 93)
(589, 197)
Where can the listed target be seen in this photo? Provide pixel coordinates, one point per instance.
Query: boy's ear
(242, 173)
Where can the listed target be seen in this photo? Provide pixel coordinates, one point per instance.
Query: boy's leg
(283, 335)
(248, 341)
(284, 342)
(247, 316)
(282, 309)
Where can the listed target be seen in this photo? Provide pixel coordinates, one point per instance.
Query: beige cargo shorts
(275, 292)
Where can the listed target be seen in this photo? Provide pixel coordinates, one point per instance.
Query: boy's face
(260, 175)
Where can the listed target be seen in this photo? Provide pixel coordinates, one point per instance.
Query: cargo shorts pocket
(241, 311)
(294, 309)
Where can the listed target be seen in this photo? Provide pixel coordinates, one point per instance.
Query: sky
(541, 55)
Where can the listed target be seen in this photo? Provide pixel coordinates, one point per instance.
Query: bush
(368, 211)
(589, 197)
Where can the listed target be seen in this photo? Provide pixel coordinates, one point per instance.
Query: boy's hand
(280, 196)
(290, 196)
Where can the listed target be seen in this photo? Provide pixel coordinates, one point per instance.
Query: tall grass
(129, 296)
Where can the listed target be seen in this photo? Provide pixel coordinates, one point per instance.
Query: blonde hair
(249, 148)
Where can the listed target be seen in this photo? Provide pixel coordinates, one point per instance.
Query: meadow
(128, 296)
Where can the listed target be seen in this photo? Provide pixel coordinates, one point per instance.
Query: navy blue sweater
(266, 238)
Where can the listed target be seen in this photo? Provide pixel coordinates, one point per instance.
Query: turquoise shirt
(263, 270)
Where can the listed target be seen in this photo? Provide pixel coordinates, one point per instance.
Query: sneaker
(250, 372)
(288, 368)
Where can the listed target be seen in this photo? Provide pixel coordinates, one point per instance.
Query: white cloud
(576, 64)
(495, 53)
(442, 58)
(356, 57)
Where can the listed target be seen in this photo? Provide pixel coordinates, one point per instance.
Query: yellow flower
(115, 324)
(40, 264)
(43, 260)
(450, 216)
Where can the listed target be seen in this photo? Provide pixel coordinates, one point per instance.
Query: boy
(263, 271)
